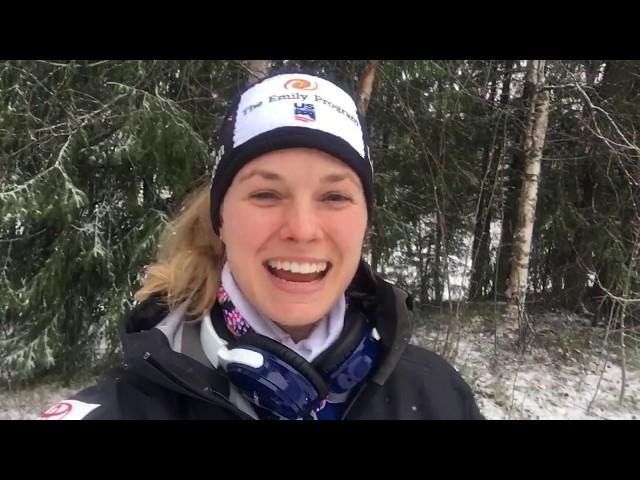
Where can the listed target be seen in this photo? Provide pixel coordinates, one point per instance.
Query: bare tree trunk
(513, 185)
(480, 247)
(424, 264)
(533, 145)
(258, 69)
(364, 97)
(580, 260)
(366, 86)
(480, 254)
(375, 254)
(480, 270)
(437, 273)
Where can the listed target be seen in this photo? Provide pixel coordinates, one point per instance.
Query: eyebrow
(339, 177)
(267, 175)
(330, 178)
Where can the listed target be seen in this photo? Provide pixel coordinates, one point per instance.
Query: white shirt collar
(323, 335)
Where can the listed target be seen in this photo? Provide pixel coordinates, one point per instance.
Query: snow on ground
(27, 404)
(556, 378)
(533, 389)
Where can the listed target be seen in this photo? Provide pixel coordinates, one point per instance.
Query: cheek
(244, 230)
(348, 232)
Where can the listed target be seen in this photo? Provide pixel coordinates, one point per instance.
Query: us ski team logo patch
(68, 410)
(304, 112)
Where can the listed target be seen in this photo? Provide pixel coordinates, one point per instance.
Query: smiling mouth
(298, 272)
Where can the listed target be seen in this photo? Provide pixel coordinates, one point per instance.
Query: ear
(220, 233)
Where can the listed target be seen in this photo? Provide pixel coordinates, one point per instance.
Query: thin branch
(32, 180)
(24, 237)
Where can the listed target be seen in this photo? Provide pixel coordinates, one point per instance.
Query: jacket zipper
(222, 402)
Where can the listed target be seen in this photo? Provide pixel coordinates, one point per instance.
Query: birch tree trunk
(533, 145)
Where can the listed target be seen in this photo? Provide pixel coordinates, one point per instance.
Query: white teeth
(296, 267)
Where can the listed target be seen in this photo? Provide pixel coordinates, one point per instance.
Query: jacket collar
(148, 351)
(387, 307)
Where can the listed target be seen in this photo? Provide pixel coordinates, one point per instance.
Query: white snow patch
(539, 385)
(27, 404)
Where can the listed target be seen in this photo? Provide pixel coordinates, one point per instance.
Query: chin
(293, 315)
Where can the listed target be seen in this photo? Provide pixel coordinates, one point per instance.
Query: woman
(259, 305)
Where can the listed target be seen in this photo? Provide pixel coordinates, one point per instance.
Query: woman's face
(293, 225)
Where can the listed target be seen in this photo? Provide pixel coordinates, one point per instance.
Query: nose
(301, 223)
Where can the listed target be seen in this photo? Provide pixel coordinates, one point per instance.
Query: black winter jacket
(156, 382)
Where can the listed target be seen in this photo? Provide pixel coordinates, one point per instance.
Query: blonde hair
(190, 259)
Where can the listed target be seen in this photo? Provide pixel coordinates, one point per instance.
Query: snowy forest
(507, 203)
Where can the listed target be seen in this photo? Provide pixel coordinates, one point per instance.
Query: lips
(297, 271)
(295, 277)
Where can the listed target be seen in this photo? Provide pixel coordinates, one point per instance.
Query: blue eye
(264, 196)
(336, 198)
